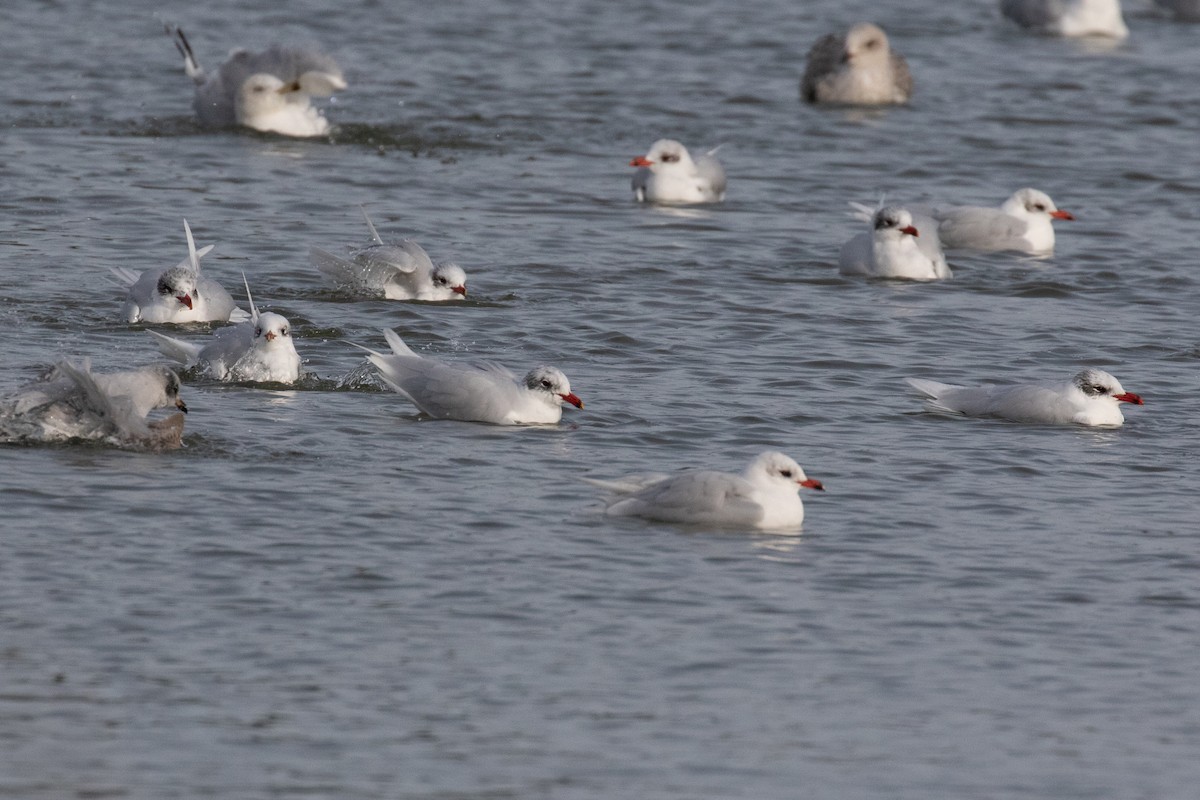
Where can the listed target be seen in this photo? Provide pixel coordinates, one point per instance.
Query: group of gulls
(270, 91)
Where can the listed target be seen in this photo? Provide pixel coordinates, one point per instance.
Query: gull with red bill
(1092, 397)
(178, 294)
(399, 271)
(668, 175)
(259, 350)
(1022, 223)
(894, 248)
(485, 392)
(268, 91)
(765, 496)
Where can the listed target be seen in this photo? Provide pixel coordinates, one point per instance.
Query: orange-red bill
(186, 299)
(910, 230)
(813, 483)
(640, 161)
(571, 398)
(1060, 214)
(459, 290)
(1129, 397)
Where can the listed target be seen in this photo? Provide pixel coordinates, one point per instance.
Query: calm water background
(322, 596)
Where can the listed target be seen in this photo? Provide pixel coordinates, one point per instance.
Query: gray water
(323, 596)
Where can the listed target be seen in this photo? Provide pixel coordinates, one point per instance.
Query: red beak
(186, 299)
(640, 161)
(572, 399)
(813, 483)
(1129, 397)
(910, 230)
(459, 290)
(269, 336)
(1060, 214)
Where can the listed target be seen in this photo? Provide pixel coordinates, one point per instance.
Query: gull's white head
(1096, 383)
(261, 95)
(272, 330)
(665, 153)
(552, 384)
(450, 277)
(894, 221)
(1032, 203)
(178, 284)
(776, 469)
(171, 386)
(865, 44)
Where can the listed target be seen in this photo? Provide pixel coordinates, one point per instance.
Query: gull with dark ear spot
(259, 350)
(1022, 224)
(858, 68)
(482, 393)
(1068, 17)
(268, 91)
(398, 271)
(894, 248)
(178, 294)
(668, 175)
(1092, 397)
(70, 402)
(765, 496)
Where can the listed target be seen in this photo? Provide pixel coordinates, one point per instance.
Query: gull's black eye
(1039, 207)
(164, 287)
(669, 157)
(872, 44)
(442, 281)
(787, 473)
(284, 331)
(257, 332)
(546, 384)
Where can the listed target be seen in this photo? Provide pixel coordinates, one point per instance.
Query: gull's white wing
(375, 268)
(227, 347)
(117, 412)
(316, 73)
(712, 173)
(697, 497)
(824, 58)
(449, 391)
(857, 257)
(979, 228)
(177, 349)
(405, 256)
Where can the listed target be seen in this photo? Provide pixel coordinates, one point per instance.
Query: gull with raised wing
(70, 402)
(667, 174)
(893, 248)
(178, 294)
(483, 393)
(268, 91)
(1022, 223)
(1092, 397)
(1068, 17)
(399, 271)
(258, 350)
(765, 496)
(856, 68)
